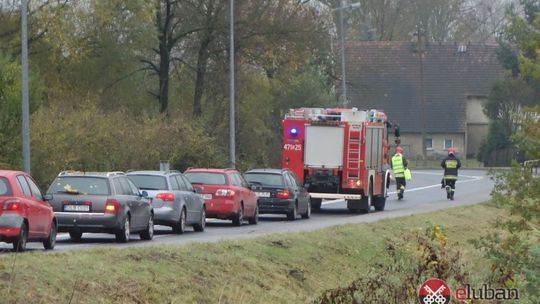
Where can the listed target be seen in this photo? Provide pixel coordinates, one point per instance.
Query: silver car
(100, 202)
(175, 202)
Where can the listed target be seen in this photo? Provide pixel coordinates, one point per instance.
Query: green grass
(280, 268)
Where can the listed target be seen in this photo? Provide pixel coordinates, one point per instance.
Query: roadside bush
(513, 248)
(514, 251)
(11, 111)
(85, 138)
(409, 261)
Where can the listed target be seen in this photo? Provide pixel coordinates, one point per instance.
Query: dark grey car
(280, 192)
(175, 202)
(101, 202)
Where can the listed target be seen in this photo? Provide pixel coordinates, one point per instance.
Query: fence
(532, 165)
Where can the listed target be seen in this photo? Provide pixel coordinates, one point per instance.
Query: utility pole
(232, 139)
(344, 76)
(342, 42)
(422, 93)
(25, 104)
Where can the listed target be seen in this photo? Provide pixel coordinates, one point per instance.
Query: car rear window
(266, 179)
(206, 178)
(149, 182)
(5, 189)
(80, 185)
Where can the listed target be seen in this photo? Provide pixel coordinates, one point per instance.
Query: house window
(448, 143)
(429, 143)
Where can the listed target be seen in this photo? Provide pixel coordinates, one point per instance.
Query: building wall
(477, 124)
(412, 144)
(475, 110)
(475, 134)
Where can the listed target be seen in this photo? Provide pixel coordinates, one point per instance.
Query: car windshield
(80, 185)
(5, 190)
(206, 178)
(266, 179)
(149, 182)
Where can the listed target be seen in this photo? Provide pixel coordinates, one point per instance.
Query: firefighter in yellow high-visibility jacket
(450, 164)
(399, 165)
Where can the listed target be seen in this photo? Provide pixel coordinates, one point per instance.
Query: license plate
(207, 196)
(263, 194)
(77, 208)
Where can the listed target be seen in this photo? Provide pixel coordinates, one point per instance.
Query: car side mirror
(144, 193)
(197, 190)
(47, 197)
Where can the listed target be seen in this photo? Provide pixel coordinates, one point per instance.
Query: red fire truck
(339, 154)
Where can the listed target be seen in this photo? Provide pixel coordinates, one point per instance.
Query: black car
(279, 192)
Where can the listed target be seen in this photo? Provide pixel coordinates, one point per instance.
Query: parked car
(175, 202)
(25, 216)
(227, 194)
(280, 192)
(101, 202)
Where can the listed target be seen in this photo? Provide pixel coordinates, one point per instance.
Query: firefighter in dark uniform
(450, 164)
(399, 164)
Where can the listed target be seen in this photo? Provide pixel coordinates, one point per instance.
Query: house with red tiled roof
(437, 88)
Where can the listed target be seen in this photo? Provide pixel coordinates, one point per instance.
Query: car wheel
(51, 240)
(200, 226)
(180, 226)
(75, 236)
(255, 219)
(19, 244)
(122, 235)
(148, 233)
(239, 218)
(291, 216)
(307, 214)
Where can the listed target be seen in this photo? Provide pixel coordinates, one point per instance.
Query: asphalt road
(423, 194)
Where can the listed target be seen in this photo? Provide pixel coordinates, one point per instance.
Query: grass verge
(281, 268)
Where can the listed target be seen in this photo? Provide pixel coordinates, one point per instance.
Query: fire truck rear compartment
(323, 154)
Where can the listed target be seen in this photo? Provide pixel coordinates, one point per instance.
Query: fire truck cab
(339, 154)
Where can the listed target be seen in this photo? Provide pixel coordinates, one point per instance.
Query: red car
(24, 213)
(227, 194)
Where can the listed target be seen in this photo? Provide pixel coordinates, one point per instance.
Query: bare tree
(172, 27)
(211, 12)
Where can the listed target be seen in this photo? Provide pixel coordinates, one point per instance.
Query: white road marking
(440, 174)
(472, 179)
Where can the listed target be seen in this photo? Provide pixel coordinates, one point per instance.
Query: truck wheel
(367, 201)
(379, 202)
(316, 204)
